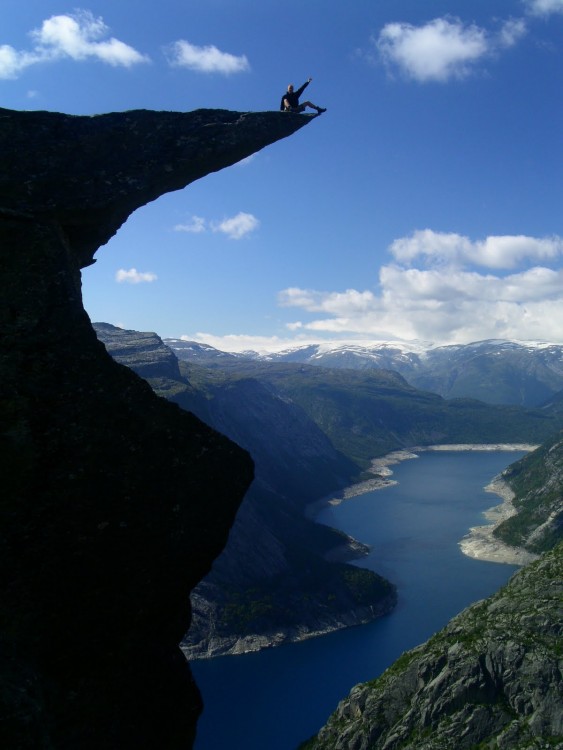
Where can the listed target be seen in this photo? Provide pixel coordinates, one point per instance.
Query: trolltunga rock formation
(114, 502)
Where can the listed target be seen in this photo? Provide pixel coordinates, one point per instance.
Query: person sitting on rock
(290, 100)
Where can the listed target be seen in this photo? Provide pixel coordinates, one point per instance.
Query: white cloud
(350, 302)
(511, 32)
(544, 7)
(235, 227)
(493, 252)
(132, 276)
(77, 36)
(12, 62)
(195, 226)
(246, 161)
(207, 59)
(444, 48)
(238, 226)
(449, 301)
(439, 50)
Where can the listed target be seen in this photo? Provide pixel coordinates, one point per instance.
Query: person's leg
(313, 106)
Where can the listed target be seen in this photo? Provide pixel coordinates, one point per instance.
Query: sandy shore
(479, 543)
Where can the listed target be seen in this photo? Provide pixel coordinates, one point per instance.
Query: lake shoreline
(479, 543)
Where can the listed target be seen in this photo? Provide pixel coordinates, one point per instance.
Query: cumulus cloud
(351, 302)
(206, 59)
(444, 48)
(511, 32)
(449, 300)
(544, 7)
(132, 276)
(13, 62)
(235, 227)
(195, 226)
(492, 252)
(439, 50)
(78, 36)
(238, 226)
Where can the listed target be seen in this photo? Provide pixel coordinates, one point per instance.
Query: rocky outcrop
(293, 614)
(114, 502)
(537, 482)
(281, 577)
(491, 678)
(86, 175)
(144, 353)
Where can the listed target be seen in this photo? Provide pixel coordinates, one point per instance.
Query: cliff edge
(115, 502)
(490, 679)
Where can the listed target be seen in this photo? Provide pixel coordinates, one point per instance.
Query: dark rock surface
(281, 577)
(88, 174)
(114, 502)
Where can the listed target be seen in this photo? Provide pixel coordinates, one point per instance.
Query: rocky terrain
(492, 677)
(281, 577)
(527, 373)
(114, 502)
(372, 411)
(537, 483)
(276, 581)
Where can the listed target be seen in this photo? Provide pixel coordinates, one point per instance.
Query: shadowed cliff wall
(114, 502)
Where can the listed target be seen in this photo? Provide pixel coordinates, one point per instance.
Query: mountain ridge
(488, 675)
(353, 414)
(494, 370)
(492, 677)
(272, 546)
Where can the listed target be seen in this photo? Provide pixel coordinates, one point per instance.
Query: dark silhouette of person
(290, 100)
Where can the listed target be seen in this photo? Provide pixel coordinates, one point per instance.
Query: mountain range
(496, 371)
(273, 582)
(311, 430)
(491, 678)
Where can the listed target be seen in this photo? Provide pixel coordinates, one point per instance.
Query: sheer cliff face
(491, 678)
(115, 502)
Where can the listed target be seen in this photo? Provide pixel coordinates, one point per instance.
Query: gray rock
(114, 502)
(492, 676)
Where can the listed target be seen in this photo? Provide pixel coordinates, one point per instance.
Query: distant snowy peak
(376, 349)
(499, 371)
(353, 353)
(193, 350)
(316, 352)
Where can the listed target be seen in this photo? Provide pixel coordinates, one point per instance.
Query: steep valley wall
(114, 502)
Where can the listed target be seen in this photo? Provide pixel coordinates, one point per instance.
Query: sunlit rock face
(114, 502)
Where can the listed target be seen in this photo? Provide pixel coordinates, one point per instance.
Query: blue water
(276, 698)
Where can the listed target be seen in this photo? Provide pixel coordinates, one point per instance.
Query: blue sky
(427, 203)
